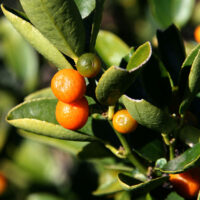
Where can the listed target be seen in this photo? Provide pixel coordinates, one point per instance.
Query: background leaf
(115, 49)
(60, 22)
(42, 196)
(31, 34)
(168, 12)
(19, 56)
(73, 147)
(149, 115)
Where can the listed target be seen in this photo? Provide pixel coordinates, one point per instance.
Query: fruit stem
(129, 154)
(169, 144)
(111, 111)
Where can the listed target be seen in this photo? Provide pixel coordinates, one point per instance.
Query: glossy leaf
(149, 115)
(85, 7)
(190, 135)
(42, 196)
(188, 159)
(60, 22)
(110, 188)
(115, 81)
(38, 116)
(140, 56)
(96, 22)
(110, 48)
(128, 183)
(73, 147)
(100, 151)
(157, 85)
(168, 12)
(147, 144)
(32, 35)
(123, 196)
(172, 51)
(19, 56)
(192, 87)
(185, 69)
(43, 93)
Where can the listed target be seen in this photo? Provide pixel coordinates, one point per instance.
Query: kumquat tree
(100, 99)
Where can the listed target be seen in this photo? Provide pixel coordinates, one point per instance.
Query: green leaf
(173, 196)
(185, 69)
(168, 12)
(140, 56)
(109, 188)
(147, 143)
(161, 12)
(38, 116)
(182, 11)
(31, 34)
(43, 196)
(123, 196)
(115, 81)
(43, 93)
(149, 115)
(192, 87)
(73, 147)
(28, 153)
(154, 74)
(85, 7)
(96, 23)
(89, 153)
(6, 103)
(128, 183)
(110, 48)
(172, 51)
(19, 56)
(188, 159)
(60, 22)
(190, 135)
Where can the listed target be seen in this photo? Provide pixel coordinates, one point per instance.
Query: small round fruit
(197, 34)
(68, 85)
(123, 122)
(72, 115)
(187, 184)
(3, 183)
(89, 65)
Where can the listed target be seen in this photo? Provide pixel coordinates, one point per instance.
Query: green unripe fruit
(88, 65)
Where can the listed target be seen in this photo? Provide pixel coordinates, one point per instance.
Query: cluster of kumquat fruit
(69, 86)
